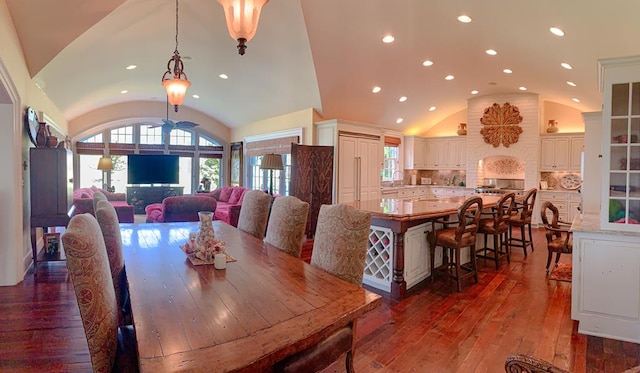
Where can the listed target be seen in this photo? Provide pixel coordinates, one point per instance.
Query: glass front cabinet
(620, 79)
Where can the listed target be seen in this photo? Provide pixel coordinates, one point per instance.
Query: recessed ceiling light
(474, 92)
(402, 99)
(464, 18)
(131, 67)
(449, 77)
(388, 39)
(575, 99)
(507, 71)
(556, 31)
(566, 66)
(195, 96)
(427, 63)
(399, 120)
(124, 91)
(571, 83)
(432, 108)
(522, 88)
(376, 89)
(223, 76)
(491, 52)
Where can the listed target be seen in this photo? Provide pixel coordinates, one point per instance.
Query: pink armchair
(83, 203)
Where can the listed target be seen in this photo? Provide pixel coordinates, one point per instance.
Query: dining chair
(522, 219)
(254, 213)
(453, 239)
(339, 247)
(529, 364)
(497, 226)
(111, 348)
(287, 223)
(97, 196)
(108, 220)
(559, 237)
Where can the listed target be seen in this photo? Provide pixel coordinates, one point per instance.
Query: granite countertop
(423, 185)
(590, 223)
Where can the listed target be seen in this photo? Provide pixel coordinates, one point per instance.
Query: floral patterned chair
(287, 223)
(254, 213)
(108, 221)
(111, 348)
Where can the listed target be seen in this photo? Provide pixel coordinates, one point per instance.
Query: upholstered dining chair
(254, 213)
(529, 364)
(453, 238)
(559, 237)
(287, 223)
(497, 225)
(97, 196)
(522, 219)
(339, 247)
(108, 221)
(111, 348)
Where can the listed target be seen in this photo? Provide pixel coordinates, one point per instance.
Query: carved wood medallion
(500, 124)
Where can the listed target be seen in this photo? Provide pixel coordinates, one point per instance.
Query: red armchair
(179, 208)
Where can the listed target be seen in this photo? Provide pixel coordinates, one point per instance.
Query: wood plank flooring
(516, 309)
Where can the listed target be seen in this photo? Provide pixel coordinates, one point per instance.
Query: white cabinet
(446, 153)
(457, 154)
(417, 265)
(415, 153)
(437, 154)
(561, 153)
(567, 204)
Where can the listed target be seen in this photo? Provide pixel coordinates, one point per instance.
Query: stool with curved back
(559, 238)
(522, 219)
(453, 239)
(497, 226)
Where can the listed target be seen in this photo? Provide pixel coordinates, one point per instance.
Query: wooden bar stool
(453, 239)
(497, 226)
(521, 220)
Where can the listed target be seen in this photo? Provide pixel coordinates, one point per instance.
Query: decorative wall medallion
(500, 124)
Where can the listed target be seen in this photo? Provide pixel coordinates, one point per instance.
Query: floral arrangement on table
(204, 250)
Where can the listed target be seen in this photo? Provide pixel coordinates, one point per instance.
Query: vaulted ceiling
(324, 54)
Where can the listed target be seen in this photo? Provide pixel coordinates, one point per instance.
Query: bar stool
(453, 239)
(497, 226)
(521, 220)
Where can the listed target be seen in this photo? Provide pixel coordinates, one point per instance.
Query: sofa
(83, 203)
(229, 203)
(179, 208)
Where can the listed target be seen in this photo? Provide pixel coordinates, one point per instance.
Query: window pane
(205, 141)
(210, 168)
(257, 178)
(185, 174)
(391, 162)
(94, 138)
(122, 135)
(150, 135)
(119, 173)
(89, 173)
(180, 137)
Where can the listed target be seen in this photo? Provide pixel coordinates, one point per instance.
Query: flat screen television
(153, 169)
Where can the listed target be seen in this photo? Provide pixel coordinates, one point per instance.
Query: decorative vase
(206, 236)
(41, 136)
(552, 127)
(462, 129)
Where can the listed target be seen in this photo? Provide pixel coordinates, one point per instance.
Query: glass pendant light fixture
(242, 18)
(177, 86)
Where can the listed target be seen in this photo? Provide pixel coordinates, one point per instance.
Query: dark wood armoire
(312, 179)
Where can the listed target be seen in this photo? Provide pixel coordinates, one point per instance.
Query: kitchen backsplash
(438, 177)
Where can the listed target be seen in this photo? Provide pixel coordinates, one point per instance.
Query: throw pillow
(244, 193)
(216, 193)
(225, 194)
(236, 194)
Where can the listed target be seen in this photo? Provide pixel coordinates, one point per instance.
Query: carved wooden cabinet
(51, 176)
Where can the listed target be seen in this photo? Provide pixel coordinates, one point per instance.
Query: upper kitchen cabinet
(620, 207)
(358, 152)
(446, 153)
(415, 153)
(561, 153)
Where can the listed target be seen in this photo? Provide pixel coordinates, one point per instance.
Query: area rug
(562, 272)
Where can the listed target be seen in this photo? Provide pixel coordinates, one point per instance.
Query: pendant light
(242, 18)
(176, 87)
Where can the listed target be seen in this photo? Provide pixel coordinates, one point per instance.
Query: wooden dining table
(265, 306)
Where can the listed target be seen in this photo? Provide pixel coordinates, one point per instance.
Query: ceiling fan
(168, 125)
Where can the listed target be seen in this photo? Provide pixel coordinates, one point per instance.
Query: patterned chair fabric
(254, 213)
(287, 223)
(530, 364)
(341, 240)
(98, 196)
(88, 267)
(108, 221)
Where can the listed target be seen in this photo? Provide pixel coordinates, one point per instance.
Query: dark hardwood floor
(517, 309)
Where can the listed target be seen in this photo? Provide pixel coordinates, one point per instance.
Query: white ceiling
(324, 54)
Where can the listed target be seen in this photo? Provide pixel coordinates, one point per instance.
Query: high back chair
(254, 213)
(522, 219)
(287, 223)
(453, 238)
(559, 237)
(525, 363)
(497, 225)
(108, 220)
(111, 348)
(97, 197)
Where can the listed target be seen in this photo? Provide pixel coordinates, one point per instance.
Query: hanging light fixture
(242, 19)
(176, 87)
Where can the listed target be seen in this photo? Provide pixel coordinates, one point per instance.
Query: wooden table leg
(398, 284)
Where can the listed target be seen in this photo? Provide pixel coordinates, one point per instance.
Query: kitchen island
(398, 255)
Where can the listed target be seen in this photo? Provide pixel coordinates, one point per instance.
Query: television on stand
(153, 169)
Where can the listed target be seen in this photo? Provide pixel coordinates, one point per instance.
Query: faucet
(393, 177)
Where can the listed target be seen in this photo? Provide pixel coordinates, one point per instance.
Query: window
(90, 175)
(150, 135)
(391, 162)
(180, 137)
(122, 135)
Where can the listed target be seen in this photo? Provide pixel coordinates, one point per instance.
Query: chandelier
(242, 19)
(176, 87)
